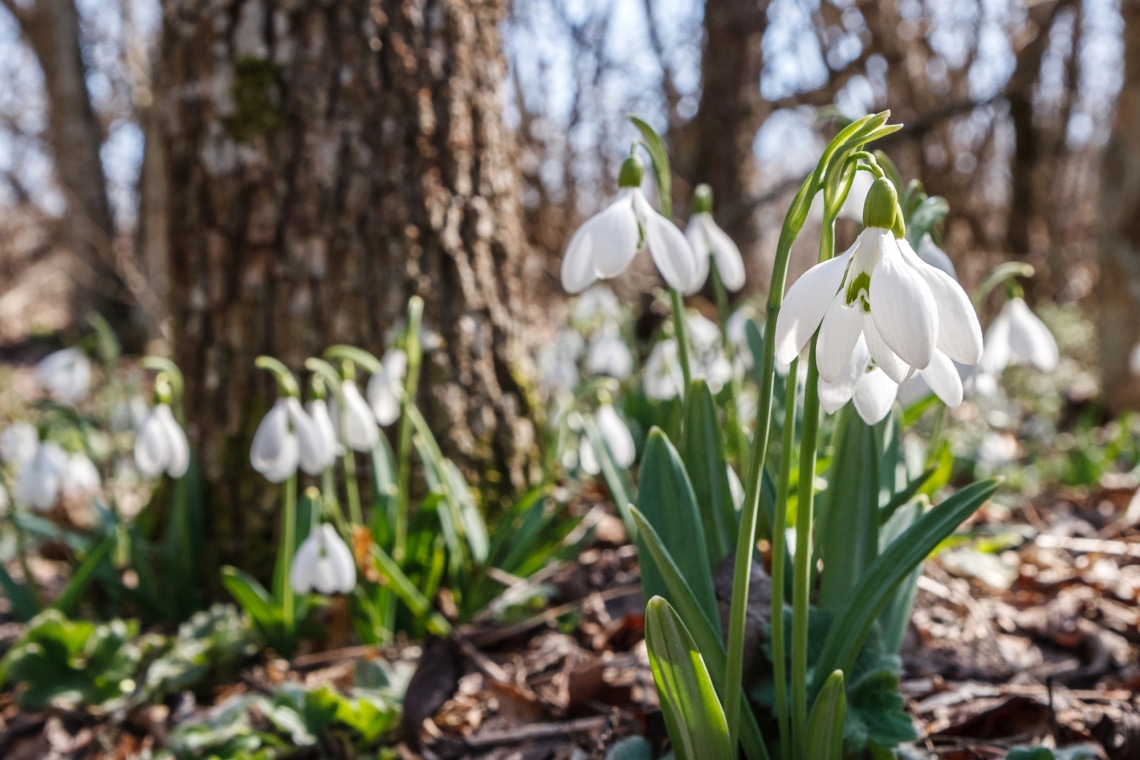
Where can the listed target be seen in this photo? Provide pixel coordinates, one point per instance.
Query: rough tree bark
(51, 28)
(1119, 327)
(327, 161)
(716, 146)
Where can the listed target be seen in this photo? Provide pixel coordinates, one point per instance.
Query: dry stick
(549, 616)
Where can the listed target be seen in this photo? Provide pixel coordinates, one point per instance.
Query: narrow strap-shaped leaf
(667, 501)
(616, 477)
(905, 495)
(408, 593)
(252, 597)
(854, 619)
(19, 597)
(83, 575)
(825, 726)
(693, 715)
(702, 448)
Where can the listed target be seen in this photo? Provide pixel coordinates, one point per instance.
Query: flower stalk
(414, 352)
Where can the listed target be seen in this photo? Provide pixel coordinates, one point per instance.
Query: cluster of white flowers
(663, 377)
(65, 374)
(44, 471)
(593, 340)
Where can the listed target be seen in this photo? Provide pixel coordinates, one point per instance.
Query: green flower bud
(632, 170)
(702, 199)
(880, 209)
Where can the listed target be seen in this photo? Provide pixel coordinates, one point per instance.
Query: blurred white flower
(323, 563)
(318, 411)
(40, 480)
(65, 374)
(935, 256)
(617, 437)
(594, 306)
(129, 414)
(80, 476)
(357, 422)
(384, 387)
(558, 361)
(18, 442)
(285, 439)
(161, 445)
(608, 354)
(663, 378)
(707, 358)
(996, 450)
(1017, 336)
(607, 243)
(709, 242)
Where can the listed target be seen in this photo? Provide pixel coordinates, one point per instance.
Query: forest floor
(1026, 632)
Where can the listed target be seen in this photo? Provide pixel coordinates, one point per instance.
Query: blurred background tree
(247, 177)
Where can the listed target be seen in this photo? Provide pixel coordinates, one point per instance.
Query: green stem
(412, 350)
(682, 339)
(288, 546)
(1000, 274)
(29, 579)
(351, 487)
(801, 592)
(779, 551)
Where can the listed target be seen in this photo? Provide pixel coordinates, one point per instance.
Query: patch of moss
(257, 99)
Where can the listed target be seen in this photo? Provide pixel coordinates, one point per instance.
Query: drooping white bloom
(710, 243)
(80, 476)
(129, 414)
(385, 386)
(608, 354)
(318, 411)
(707, 359)
(558, 361)
(606, 244)
(65, 374)
(1017, 336)
(285, 439)
(40, 480)
(868, 386)
(18, 442)
(161, 445)
(356, 421)
(935, 256)
(664, 379)
(323, 563)
(596, 305)
(880, 290)
(617, 437)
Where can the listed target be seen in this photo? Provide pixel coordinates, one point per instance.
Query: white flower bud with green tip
(1017, 336)
(285, 439)
(323, 563)
(161, 445)
(65, 374)
(710, 243)
(607, 243)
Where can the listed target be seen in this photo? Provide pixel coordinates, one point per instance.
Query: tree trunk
(51, 28)
(716, 147)
(1119, 328)
(328, 160)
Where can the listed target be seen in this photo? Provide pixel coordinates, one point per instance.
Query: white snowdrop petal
(943, 378)
(177, 447)
(270, 445)
(668, 247)
(318, 411)
(80, 476)
(66, 374)
(881, 353)
(833, 395)
(578, 261)
(617, 436)
(615, 236)
(361, 430)
(935, 256)
(587, 458)
(874, 396)
(152, 451)
(996, 354)
(40, 480)
(310, 445)
(340, 559)
(304, 564)
(1030, 338)
(805, 304)
(698, 241)
(18, 442)
(959, 332)
(902, 306)
(729, 262)
(838, 334)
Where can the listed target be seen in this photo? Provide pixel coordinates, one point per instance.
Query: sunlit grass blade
(825, 726)
(703, 450)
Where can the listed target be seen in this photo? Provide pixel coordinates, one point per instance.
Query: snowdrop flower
(935, 256)
(708, 360)
(318, 411)
(65, 374)
(615, 433)
(558, 361)
(608, 354)
(80, 476)
(161, 445)
(596, 305)
(18, 442)
(860, 381)
(385, 386)
(1017, 336)
(881, 291)
(606, 244)
(286, 438)
(323, 563)
(710, 243)
(40, 480)
(129, 414)
(664, 379)
(357, 422)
